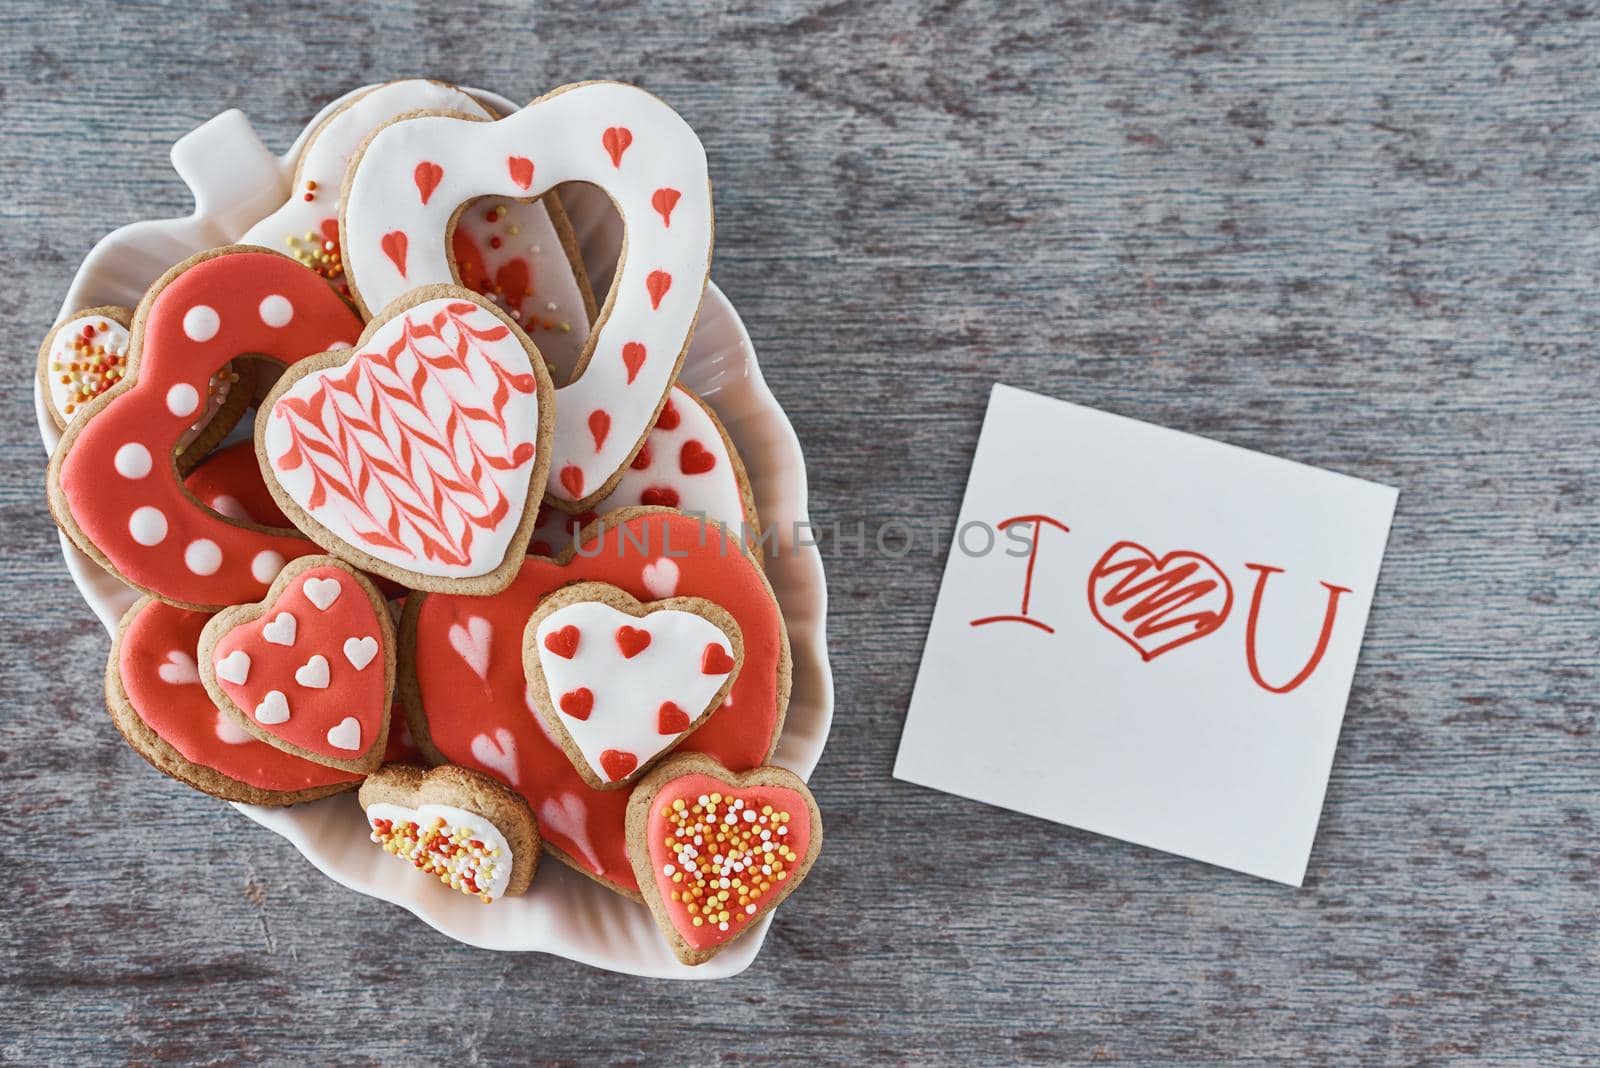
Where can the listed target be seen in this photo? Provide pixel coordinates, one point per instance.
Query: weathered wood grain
(1361, 235)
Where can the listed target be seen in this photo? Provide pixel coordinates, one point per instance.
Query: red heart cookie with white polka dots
(714, 851)
(310, 669)
(619, 682)
(114, 485)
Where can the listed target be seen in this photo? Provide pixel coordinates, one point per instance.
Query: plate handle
(234, 178)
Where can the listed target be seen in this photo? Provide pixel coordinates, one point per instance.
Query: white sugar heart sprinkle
(274, 708)
(323, 591)
(346, 735)
(360, 651)
(178, 669)
(313, 674)
(661, 578)
(281, 630)
(234, 668)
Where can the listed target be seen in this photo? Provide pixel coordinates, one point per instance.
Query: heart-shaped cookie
(1157, 604)
(156, 699)
(113, 486)
(466, 694)
(714, 851)
(460, 826)
(301, 671)
(420, 455)
(394, 228)
(619, 682)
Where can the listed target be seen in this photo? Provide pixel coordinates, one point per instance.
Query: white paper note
(1146, 634)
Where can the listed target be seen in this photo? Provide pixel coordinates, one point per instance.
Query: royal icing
(722, 854)
(507, 250)
(461, 849)
(119, 490)
(172, 703)
(473, 694)
(89, 354)
(229, 482)
(308, 672)
(420, 449)
(413, 176)
(627, 688)
(684, 464)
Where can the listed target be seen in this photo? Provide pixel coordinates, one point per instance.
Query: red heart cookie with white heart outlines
(1156, 605)
(467, 699)
(460, 826)
(311, 668)
(714, 851)
(414, 176)
(157, 700)
(620, 682)
(420, 455)
(114, 486)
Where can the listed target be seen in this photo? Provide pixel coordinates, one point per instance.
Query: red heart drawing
(641, 459)
(633, 359)
(521, 170)
(668, 419)
(512, 282)
(616, 140)
(572, 480)
(695, 459)
(715, 660)
(657, 282)
(1156, 605)
(427, 176)
(618, 765)
(664, 200)
(394, 246)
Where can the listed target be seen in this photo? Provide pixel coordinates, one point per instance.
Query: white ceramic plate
(236, 181)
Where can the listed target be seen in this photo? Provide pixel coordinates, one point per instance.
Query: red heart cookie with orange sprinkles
(714, 851)
(310, 669)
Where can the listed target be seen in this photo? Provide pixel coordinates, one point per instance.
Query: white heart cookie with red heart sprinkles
(618, 682)
(410, 180)
(281, 669)
(419, 456)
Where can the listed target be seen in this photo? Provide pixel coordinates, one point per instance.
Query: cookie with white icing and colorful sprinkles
(714, 851)
(459, 826)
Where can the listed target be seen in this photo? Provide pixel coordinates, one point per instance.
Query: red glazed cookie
(461, 827)
(229, 482)
(466, 695)
(310, 669)
(714, 851)
(619, 682)
(156, 699)
(114, 487)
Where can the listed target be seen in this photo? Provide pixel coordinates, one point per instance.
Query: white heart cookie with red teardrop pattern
(618, 682)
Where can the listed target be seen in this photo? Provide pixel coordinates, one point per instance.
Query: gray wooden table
(1361, 235)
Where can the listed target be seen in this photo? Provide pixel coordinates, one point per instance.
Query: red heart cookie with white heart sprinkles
(619, 682)
(715, 851)
(310, 669)
(157, 700)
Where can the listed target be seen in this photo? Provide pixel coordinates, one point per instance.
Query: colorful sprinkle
(452, 854)
(726, 856)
